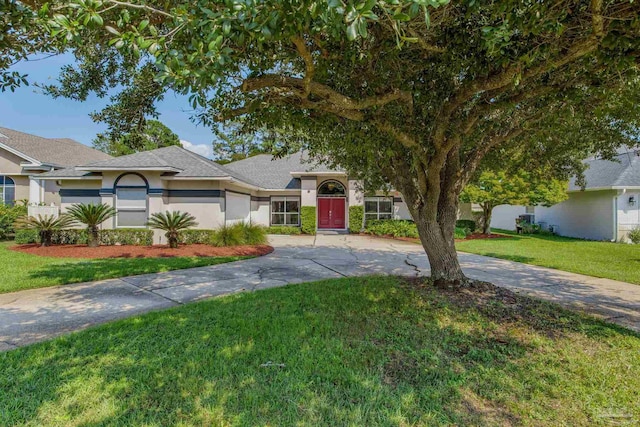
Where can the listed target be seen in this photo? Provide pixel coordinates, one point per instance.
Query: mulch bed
(155, 251)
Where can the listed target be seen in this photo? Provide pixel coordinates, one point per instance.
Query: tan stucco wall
(10, 163)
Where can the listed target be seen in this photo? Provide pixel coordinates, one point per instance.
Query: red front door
(331, 212)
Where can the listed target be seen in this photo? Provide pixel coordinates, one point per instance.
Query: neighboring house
(607, 209)
(261, 190)
(23, 157)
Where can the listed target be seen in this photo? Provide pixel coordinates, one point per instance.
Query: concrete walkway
(40, 314)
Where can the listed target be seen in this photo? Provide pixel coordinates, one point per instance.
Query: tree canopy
(494, 188)
(417, 93)
(153, 134)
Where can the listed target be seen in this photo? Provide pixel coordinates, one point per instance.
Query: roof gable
(49, 151)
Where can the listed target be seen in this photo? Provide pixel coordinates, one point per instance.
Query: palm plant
(172, 223)
(46, 225)
(92, 215)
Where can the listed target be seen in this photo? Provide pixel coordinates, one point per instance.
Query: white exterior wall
(308, 191)
(260, 211)
(628, 215)
(504, 216)
(585, 215)
(237, 207)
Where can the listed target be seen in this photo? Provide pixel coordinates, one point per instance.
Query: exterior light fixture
(632, 200)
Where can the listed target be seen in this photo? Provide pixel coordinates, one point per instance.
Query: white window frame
(3, 198)
(130, 209)
(377, 213)
(284, 199)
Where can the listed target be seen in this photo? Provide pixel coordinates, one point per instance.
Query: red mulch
(155, 251)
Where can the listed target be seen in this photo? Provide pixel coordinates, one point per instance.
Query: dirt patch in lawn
(127, 251)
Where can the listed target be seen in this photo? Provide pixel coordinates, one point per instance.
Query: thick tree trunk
(487, 210)
(92, 237)
(441, 251)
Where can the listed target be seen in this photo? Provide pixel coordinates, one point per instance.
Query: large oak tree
(414, 92)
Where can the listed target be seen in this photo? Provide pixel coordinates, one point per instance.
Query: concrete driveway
(40, 314)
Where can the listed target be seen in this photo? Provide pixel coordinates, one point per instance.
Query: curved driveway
(39, 314)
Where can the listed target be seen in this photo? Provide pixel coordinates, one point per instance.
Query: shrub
(91, 215)
(308, 219)
(467, 224)
(634, 236)
(356, 214)
(25, 236)
(460, 233)
(530, 228)
(283, 229)
(72, 236)
(227, 236)
(193, 237)
(126, 236)
(46, 225)
(173, 223)
(8, 217)
(252, 234)
(392, 227)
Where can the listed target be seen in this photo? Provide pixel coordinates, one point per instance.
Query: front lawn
(600, 259)
(356, 351)
(24, 271)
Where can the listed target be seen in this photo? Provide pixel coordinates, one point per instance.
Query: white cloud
(202, 149)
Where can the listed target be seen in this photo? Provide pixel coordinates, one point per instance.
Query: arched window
(131, 200)
(331, 188)
(7, 190)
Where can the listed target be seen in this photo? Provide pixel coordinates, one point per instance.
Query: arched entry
(332, 199)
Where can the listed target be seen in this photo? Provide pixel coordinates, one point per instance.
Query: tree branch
(301, 47)
(339, 101)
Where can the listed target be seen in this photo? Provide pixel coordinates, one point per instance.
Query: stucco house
(23, 157)
(606, 209)
(261, 190)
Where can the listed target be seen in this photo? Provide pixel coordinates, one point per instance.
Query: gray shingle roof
(51, 151)
(271, 173)
(625, 172)
(185, 163)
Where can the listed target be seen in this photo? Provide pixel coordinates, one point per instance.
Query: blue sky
(29, 110)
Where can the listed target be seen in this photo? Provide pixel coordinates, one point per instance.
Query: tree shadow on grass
(366, 351)
(108, 268)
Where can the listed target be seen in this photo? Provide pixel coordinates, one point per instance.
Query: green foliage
(466, 224)
(196, 237)
(227, 235)
(26, 236)
(281, 229)
(91, 215)
(234, 143)
(126, 236)
(521, 188)
(308, 219)
(460, 233)
(46, 225)
(239, 234)
(252, 234)
(172, 223)
(356, 215)
(493, 188)
(392, 227)
(153, 135)
(634, 236)
(74, 236)
(8, 216)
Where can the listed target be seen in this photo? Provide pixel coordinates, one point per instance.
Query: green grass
(600, 259)
(357, 351)
(24, 271)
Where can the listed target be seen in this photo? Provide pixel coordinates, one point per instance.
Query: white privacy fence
(36, 211)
